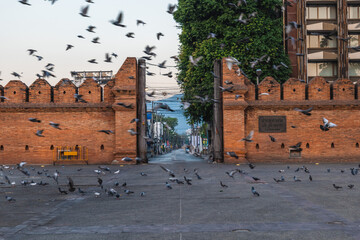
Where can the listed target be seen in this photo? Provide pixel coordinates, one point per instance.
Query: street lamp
(258, 73)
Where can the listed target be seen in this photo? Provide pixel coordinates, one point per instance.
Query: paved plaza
(202, 210)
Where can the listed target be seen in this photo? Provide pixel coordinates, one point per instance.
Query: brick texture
(79, 122)
(318, 89)
(242, 116)
(343, 89)
(125, 92)
(64, 91)
(15, 90)
(294, 90)
(269, 86)
(40, 92)
(91, 91)
(109, 96)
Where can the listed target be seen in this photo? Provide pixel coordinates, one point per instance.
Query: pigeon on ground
(223, 185)
(168, 186)
(10, 199)
(62, 191)
(254, 192)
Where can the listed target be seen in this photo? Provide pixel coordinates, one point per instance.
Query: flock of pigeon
(149, 50)
(149, 54)
(109, 189)
(118, 22)
(114, 188)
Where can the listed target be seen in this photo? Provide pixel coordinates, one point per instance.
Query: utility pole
(218, 119)
(141, 112)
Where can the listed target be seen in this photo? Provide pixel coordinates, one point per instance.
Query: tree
(211, 29)
(171, 122)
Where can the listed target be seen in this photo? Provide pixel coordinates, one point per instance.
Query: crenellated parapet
(318, 89)
(109, 96)
(269, 90)
(16, 91)
(64, 91)
(40, 91)
(274, 117)
(90, 91)
(294, 90)
(82, 124)
(343, 89)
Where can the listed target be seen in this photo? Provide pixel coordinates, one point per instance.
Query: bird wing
(308, 110)
(250, 136)
(229, 64)
(71, 182)
(330, 124)
(325, 121)
(85, 10)
(119, 18)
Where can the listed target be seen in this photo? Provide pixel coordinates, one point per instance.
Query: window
(354, 69)
(1, 148)
(323, 69)
(327, 12)
(353, 12)
(354, 40)
(319, 41)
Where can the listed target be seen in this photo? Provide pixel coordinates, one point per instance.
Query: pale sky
(49, 28)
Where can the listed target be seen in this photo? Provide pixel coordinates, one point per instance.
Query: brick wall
(64, 91)
(40, 91)
(79, 122)
(337, 102)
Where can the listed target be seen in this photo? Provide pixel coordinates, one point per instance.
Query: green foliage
(171, 122)
(245, 42)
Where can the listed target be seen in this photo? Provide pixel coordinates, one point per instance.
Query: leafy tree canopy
(262, 34)
(171, 122)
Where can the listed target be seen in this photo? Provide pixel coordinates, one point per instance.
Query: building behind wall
(322, 46)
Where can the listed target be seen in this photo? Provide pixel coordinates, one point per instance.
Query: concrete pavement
(203, 210)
